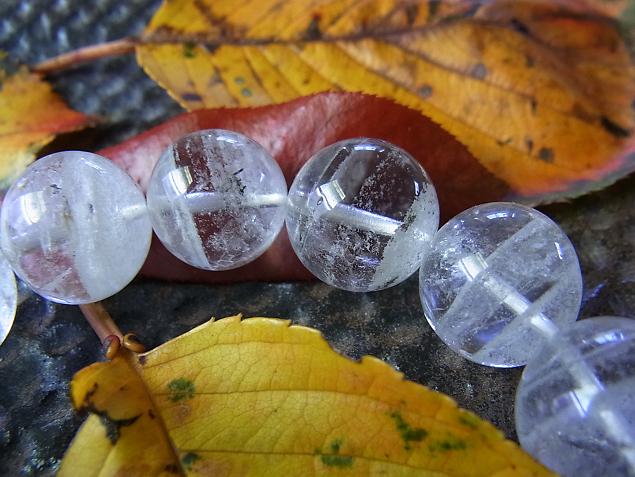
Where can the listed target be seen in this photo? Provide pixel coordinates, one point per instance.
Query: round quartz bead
(575, 406)
(8, 298)
(361, 214)
(75, 227)
(217, 199)
(497, 273)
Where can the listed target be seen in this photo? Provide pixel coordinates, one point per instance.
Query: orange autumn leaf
(543, 101)
(260, 397)
(31, 114)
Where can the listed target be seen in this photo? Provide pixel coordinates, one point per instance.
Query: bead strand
(500, 283)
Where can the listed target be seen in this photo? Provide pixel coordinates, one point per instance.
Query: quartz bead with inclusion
(362, 213)
(217, 199)
(75, 227)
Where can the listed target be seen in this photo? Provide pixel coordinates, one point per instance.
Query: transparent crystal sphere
(498, 274)
(75, 227)
(8, 298)
(361, 214)
(217, 199)
(575, 405)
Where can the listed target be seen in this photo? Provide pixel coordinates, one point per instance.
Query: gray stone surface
(50, 342)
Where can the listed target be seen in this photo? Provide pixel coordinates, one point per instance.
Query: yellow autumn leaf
(260, 397)
(540, 113)
(31, 114)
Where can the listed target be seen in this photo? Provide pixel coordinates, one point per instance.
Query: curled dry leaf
(292, 132)
(30, 117)
(542, 97)
(260, 397)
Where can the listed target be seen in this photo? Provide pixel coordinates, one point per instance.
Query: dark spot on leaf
(113, 426)
(151, 414)
(335, 446)
(246, 92)
(519, 26)
(530, 144)
(411, 13)
(468, 420)
(534, 104)
(449, 444)
(91, 393)
(614, 129)
(313, 32)
(337, 460)
(425, 91)
(142, 360)
(214, 80)
(191, 97)
(333, 459)
(180, 389)
(479, 71)
(188, 50)
(172, 469)
(504, 142)
(239, 80)
(529, 61)
(408, 433)
(546, 154)
(433, 7)
(189, 459)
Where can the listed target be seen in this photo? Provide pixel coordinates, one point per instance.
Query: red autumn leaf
(292, 132)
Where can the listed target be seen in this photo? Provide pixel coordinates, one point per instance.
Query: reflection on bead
(361, 214)
(217, 199)
(75, 227)
(497, 275)
(575, 405)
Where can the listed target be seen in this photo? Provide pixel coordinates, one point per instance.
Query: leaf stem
(100, 321)
(85, 55)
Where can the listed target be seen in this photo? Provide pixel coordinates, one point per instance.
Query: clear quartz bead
(75, 227)
(496, 276)
(361, 214)
(217, 199)
(8, 298)
(575, 405)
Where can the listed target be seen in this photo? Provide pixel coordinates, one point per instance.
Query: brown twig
(99, 319)
(86, 54)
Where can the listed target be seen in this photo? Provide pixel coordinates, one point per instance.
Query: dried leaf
(293, 132)
(260, 397)
(541, 106)
(30, 117)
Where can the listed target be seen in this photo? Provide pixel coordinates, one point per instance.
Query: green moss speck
(189, 459)
(337, 460)
(469, 420)
(188, 50)
(180, 389)
(335, 446)
(334, 459)
(449, 444)
(246, 92)
(408, 433)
